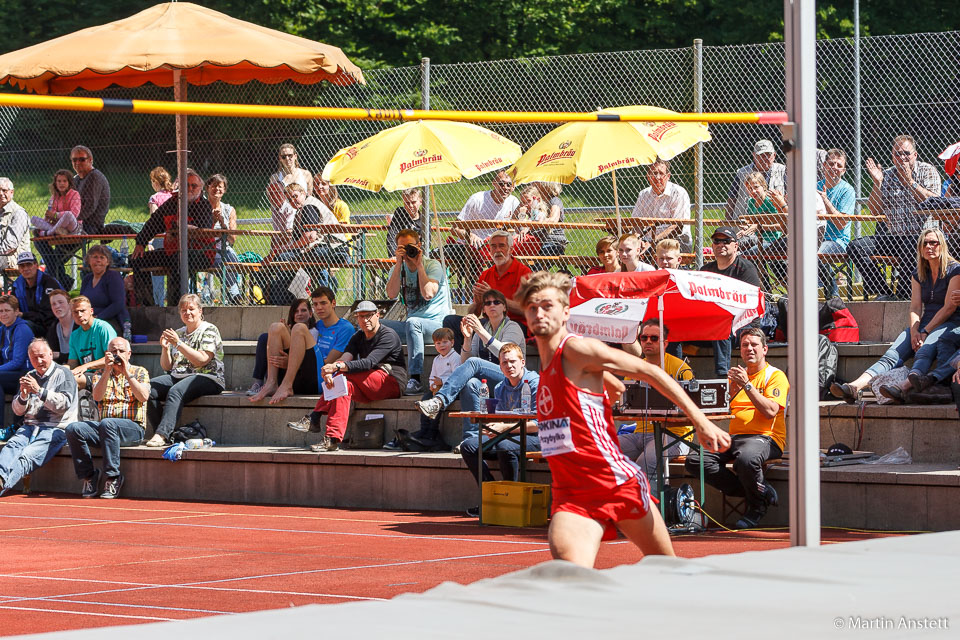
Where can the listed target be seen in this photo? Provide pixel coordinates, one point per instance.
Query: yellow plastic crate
(516, 504)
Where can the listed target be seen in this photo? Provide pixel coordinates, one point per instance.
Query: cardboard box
(516, 504)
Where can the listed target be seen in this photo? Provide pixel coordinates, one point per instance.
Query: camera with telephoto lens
(412, 251)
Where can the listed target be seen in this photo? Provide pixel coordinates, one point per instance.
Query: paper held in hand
(300, 285)
(338, 390)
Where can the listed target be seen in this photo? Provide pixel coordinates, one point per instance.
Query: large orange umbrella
(174, 44)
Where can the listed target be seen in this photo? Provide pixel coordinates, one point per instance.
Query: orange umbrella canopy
(206, 45)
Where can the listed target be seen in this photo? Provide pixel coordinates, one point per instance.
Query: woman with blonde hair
(933, 311)
(290, 172)
(553, 242)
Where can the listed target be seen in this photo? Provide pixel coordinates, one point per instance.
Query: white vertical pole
(803, 417)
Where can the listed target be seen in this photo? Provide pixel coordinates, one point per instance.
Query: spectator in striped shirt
(121, 391)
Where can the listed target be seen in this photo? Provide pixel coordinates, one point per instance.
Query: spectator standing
(758, 431)
(608, 255)
(896, 193)
(664, 199)
(63, 209)
(480, 359)
(839, 198)
(88, 342)
(15, 338)
(374, 368)
(166, 219)
(104, 288)
(408, 216)
(193, 356)
(120, 390)
(421, 284)
(58, 337)
(224, 217)
(14, 227)
(508, 395)
(774, 173)
(47, 401)
(32, 289)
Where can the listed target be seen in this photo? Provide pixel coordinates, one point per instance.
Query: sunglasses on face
(490, 303)
(81, 159)
(903, 154)
(287, 155)
(649, 338)
(723, 240)
(931, 243)
(503, 183)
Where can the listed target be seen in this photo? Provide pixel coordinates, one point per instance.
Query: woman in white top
(289, 173)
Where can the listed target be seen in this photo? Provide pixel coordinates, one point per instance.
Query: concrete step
(917, 497)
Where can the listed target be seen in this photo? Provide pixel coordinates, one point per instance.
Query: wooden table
(643, 222)
(519, 421)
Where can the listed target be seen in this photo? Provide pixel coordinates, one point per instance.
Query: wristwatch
(747, 387)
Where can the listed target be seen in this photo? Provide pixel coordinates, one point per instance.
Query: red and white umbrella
(950, 156)
(694, 305)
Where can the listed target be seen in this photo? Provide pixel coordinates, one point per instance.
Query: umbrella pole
(436, 221)
(180, 95)
(616, 202)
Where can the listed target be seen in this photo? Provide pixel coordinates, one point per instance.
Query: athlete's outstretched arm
(598, 357)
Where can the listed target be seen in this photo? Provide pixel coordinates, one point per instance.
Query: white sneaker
(255, 388)
(302, 425)
(430, 408)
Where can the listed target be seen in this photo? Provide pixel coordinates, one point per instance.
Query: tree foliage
(377, 33)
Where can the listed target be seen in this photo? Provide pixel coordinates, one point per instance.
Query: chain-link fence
(908, 86)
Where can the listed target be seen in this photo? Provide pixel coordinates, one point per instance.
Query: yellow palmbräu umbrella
(587, 150)
(419, 154)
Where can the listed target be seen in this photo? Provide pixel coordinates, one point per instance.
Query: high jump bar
(112, 105)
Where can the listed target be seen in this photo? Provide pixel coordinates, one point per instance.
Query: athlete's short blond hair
(544, 280)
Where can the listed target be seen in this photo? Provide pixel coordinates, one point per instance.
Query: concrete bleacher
(258, 459)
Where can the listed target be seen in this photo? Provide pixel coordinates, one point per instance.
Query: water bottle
(199, 443)
(484, 393)
(127, 331)
(124, 253)
(526, 406)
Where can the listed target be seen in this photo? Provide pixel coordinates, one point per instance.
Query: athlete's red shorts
(629, 501)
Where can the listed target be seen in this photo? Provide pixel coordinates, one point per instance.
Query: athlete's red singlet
(577, 435)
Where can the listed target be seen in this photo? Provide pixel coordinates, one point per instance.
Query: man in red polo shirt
(504, 276)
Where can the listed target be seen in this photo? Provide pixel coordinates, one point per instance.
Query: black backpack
(827, 361)
(188, 432)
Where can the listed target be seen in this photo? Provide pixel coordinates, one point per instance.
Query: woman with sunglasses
(290, 172)
(480, 360)
(933, 311)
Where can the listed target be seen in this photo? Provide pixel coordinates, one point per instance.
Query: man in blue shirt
(308, 350)
(421, 283)
(838, 198)
(508, 394)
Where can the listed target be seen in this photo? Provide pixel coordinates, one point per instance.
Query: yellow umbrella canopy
(205, 45)
(421, 153)
(586, 150)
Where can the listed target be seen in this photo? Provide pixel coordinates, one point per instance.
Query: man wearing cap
(32, 289)
(728, 263)
(758, 432)
(14, 227)
(373, 365)
(773, 172)
(896, 193)
(664, 199)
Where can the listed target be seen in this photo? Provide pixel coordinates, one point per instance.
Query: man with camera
(121, 391)
(421, 283)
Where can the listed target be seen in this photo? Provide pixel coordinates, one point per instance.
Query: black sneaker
(393, 445)
(91, 485)
(473, 512)
(770, 495)
(111, 488)
(751, 519)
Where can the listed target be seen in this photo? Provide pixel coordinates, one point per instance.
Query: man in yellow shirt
(758, 431)
(639, 446)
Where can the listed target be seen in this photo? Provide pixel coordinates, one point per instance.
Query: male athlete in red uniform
(595, 487)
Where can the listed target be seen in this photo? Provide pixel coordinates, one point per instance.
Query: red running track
(71, 563)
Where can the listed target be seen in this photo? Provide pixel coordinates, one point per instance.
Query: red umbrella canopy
(697, 305)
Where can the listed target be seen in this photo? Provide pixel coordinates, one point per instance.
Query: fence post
(180, 95)
(425, 105)
(698, 153)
